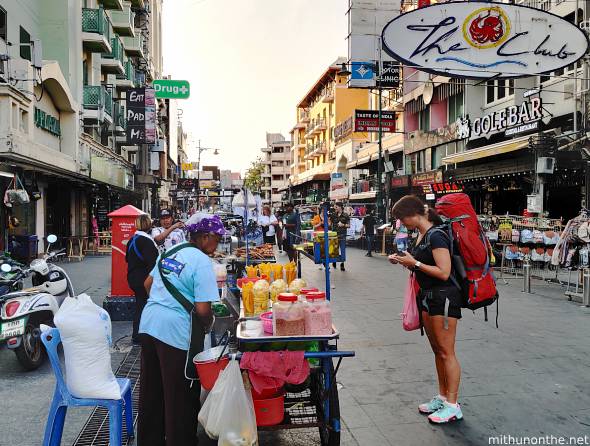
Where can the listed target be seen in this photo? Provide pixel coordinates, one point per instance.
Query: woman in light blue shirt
(168, 401)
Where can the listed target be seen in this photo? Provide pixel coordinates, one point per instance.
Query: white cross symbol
(183, 89)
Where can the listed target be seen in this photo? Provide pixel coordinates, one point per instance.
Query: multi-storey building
(459, 137)
(277, 160)
(64, 70)
(327, 104)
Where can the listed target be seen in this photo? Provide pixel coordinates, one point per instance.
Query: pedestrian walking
(268, 223)
(290, 226)
(369, 231)
(168, 234)
(279, 229)
(168, 401)
(438, 299)
(340, 223)
(141, 256)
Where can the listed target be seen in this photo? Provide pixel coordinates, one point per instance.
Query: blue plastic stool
(62, 399)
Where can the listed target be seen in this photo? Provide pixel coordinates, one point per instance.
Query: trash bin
(23, 248)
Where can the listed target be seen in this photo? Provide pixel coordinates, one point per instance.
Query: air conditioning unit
(545, 165)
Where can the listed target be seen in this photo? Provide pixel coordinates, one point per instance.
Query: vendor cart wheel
(329, 435)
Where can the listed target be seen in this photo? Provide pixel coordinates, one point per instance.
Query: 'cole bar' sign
(368, 121)
(513, 120)
(481, 40)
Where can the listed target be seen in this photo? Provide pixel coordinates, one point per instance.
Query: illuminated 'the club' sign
(482, 39)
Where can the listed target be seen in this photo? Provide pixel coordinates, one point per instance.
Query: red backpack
(470, 252)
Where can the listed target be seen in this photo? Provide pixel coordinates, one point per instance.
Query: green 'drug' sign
(171, 89)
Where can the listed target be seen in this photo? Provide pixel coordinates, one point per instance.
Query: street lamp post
(201, 150)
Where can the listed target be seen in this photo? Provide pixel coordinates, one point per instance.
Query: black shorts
(434, 302)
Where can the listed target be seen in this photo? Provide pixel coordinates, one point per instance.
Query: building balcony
(328, 94)
(319, 148)
(119, 118)
(128, 79)
(303, 118)
(98, 103)
(96, 30)
(113, 62)
(134, 45)
(122, 21)
(320, 125)
(112, 4)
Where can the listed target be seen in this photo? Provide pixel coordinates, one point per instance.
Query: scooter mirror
(52, 238)
(6, 268)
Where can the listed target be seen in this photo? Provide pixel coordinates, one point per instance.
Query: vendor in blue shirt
(168, 403)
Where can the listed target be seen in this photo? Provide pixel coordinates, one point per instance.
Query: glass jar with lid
(287, 316)
(317, 314)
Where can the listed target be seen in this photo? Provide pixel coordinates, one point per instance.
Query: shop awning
(491, 150)
(316, 177)
(359, 162)
(363, 195)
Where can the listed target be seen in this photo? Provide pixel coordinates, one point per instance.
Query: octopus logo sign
(480, 40)
(486, 28)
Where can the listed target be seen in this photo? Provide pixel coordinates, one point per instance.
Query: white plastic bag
(228, 413)
(85, 331)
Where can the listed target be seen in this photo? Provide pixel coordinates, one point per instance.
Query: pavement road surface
(527, 379)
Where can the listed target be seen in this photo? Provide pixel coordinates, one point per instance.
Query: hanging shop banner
(389, 76)
(338, 190)
(368, 121)
(402, 181)
(427, 178)
(443, 188)
(362, 74)
(513, 120)
(481, 40)
(141, 116)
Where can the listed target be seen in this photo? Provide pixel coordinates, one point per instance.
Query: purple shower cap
(208, 224)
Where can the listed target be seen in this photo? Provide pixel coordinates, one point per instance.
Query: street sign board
(390, 74)
(368, 121)
(172, 89)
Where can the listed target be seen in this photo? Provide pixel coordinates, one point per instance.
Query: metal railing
(117, 52)
(319, 122)
(303, 115)
(123, 18)
(120, 118)
(129, 72)
(96, 21)
(96, 97)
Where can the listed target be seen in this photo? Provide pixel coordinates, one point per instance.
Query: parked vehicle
(23, 311)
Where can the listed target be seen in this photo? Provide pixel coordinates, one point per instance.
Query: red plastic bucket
(208, 368)
(267, 393)
(270, 412)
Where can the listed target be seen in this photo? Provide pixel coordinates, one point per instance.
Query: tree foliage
(253, 179)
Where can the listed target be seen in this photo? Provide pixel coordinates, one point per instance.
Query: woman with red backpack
(439, 301)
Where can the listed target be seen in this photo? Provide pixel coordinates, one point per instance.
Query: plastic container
(333, 246)
(266, 319)
(208, 368)
(267, 393)
(317, 314)
(261, 292)
(220, 274)
(288, 318)
(270, 412)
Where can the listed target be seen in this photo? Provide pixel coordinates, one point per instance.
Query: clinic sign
(513, 120)
(481, 39)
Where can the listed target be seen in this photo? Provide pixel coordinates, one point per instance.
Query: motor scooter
(22, 312)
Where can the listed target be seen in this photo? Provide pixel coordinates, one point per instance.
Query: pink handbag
(410, 315)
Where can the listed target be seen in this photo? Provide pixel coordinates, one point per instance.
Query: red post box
(123, 228)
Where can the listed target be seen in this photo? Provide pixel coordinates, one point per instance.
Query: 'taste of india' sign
(482, 39)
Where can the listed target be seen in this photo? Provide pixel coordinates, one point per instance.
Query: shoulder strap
(183, 301)
(452, 276)
(133, 245)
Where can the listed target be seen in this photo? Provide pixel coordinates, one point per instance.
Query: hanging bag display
(16, 193)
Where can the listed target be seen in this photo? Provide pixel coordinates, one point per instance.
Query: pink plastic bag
(410, 315)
